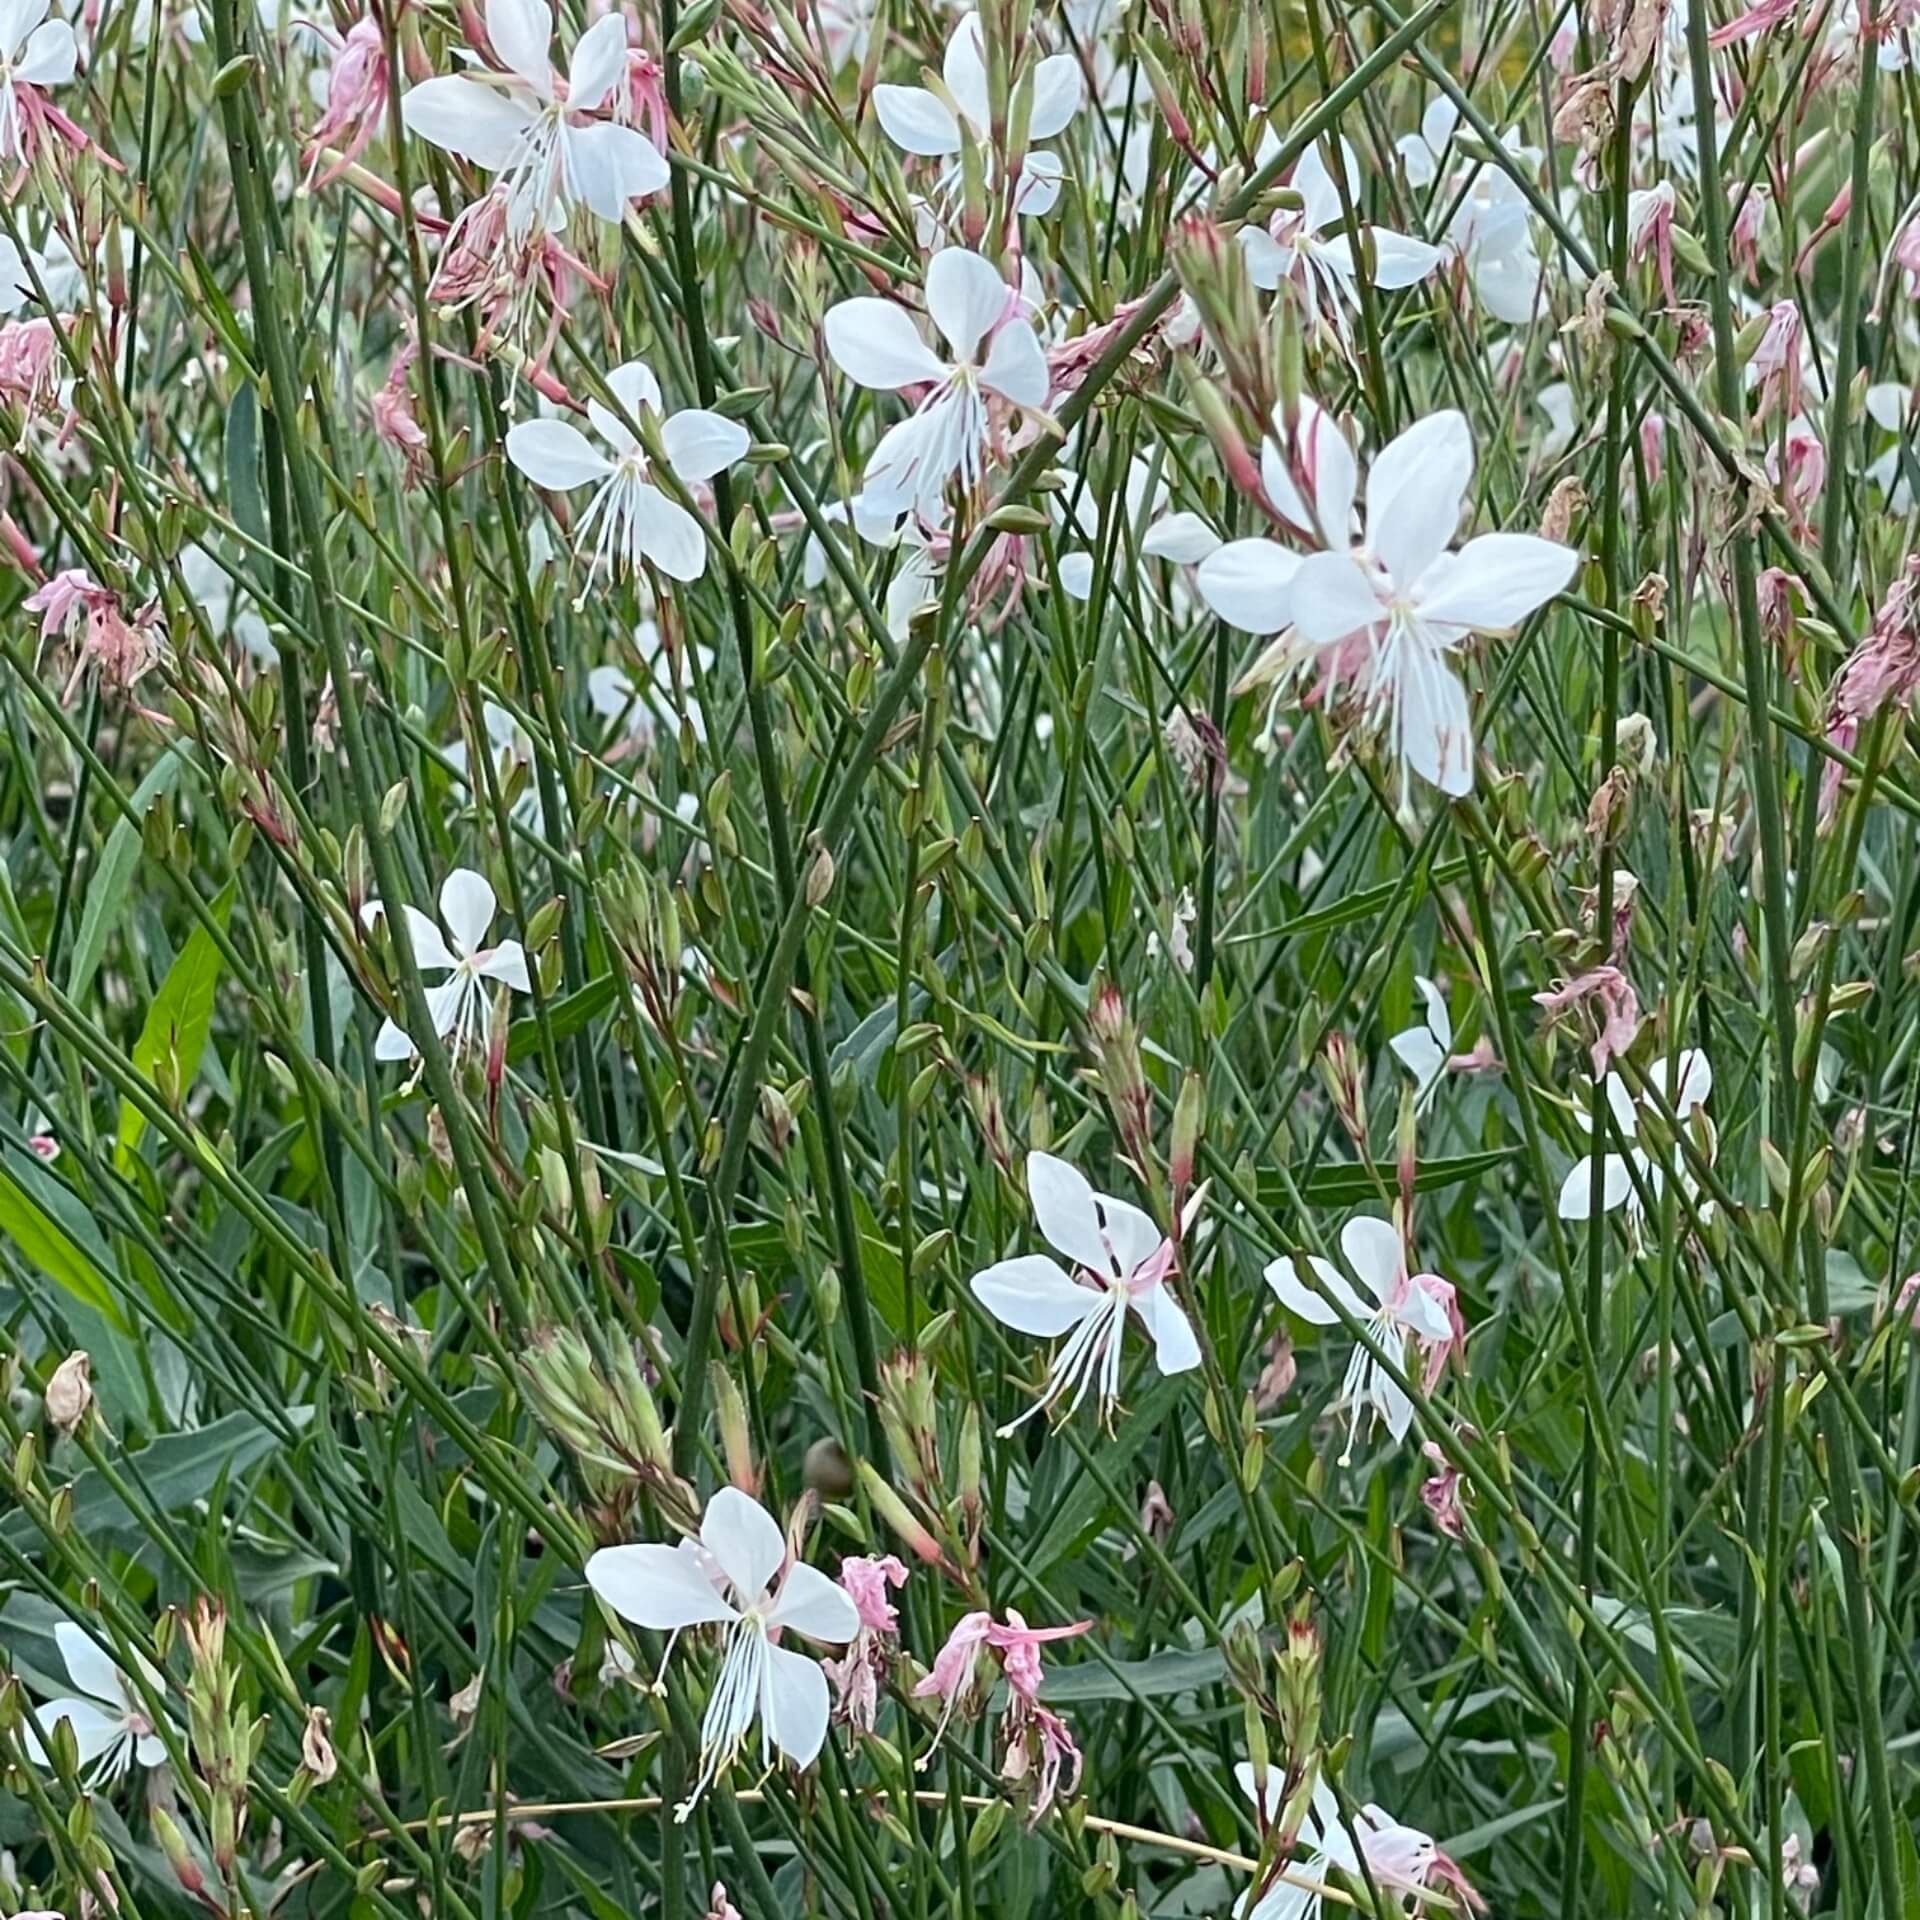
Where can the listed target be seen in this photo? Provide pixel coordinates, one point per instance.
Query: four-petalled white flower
(947, 434)
(740, 1575)
(549, 141)
(112, 1730)
(1685, 1083)
(1402, 1308)
(1121, 1260)
(918, 121)
(637, 522)
(458, 1005)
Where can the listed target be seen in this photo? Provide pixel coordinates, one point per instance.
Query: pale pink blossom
(1617, 1009)
(1883, 670)
(1777, 363)
(356, 102)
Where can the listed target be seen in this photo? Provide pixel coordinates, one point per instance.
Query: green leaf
(566, 1017)
(171, 1473)
(106, 887)
(1349, 1186)
(176, 1023)
(1177, 1670)
(52, 1249)
(243, 464)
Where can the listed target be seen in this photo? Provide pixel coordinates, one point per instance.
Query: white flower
(1555, 400)
(1389, 614)
(918, 121)
(637, 521)
(1690, 1075)
(111, 1728)
(741, 1576)
(458, 1005)
(1401, 1309)
(1491, 230)
(1295, 246)
(1399, 1859)
(1121, 1260)
(34, 52)
(875, 343)
(616, 695)
(542, 139)
(1424, 1050)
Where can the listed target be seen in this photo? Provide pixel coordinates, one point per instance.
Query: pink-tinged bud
(1907, 1307)
(1906, 254)
(1650, 230)
(896, 1513)
(983, 1100)
(1884, 670)
(1276, 1375)
(20, 549)
(1743, 239)
(356, 103)
(395, 424)
(1344, 1074)
(1122, 1077)
(1776, 366)
(173, 1843)
(1156, 1514)
(719, 1907)
(1653, 445)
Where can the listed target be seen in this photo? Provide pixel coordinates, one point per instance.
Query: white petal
(1058, 89)
(916, 121)
(1300, 1295)
(1268, 262)
(554, 455)
(1332, 598)
(1396, 1410)
(93, 1670)
(599, 61)
(1373, 1251)
(1438, 122)
(1498, 579)
(446, 1002)
(1399, 261)
(1016, 367)
(95, 1728)
(609, 167)
(1421, 1055)
(1439, 1019)
(18, 18)
(429, 944)
(812, 1604)
(1414, 493)
(634, 385)
(1076, 575)
(521, 32)
(964, 70)
(965, 297)
(392, 1043)
(1694, 1081)
(1435, 724)
(1032, 1294)
(1417, 158)
(1577, 1188)
(1314, 182)
(51, 57)
(1039, 189)
(874, 343)
(669, 535)
(1185, 539)
(478, 123)
(745, 1539)
(699, 444)
(508, 962)
(1066, 1209)
(794, 1704)
(467, 906)
(661, 1588)
(1249, 584)
(1174, 1347)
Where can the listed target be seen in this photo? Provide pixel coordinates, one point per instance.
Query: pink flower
(1617, 1005)
(857, 1675)
(1743, 239)
(719, 1907)
(1884, 668)
(395, 423)
(29, 363)
(64, 602)
(1761, 17)
(1038, 1742)
(644, 104)
(866, 1578)
(1650, 230)
(356, 102)
(1440, 1493)
(1906, 254)
(1453, 1345)
(75, 608)
(1799, 469)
